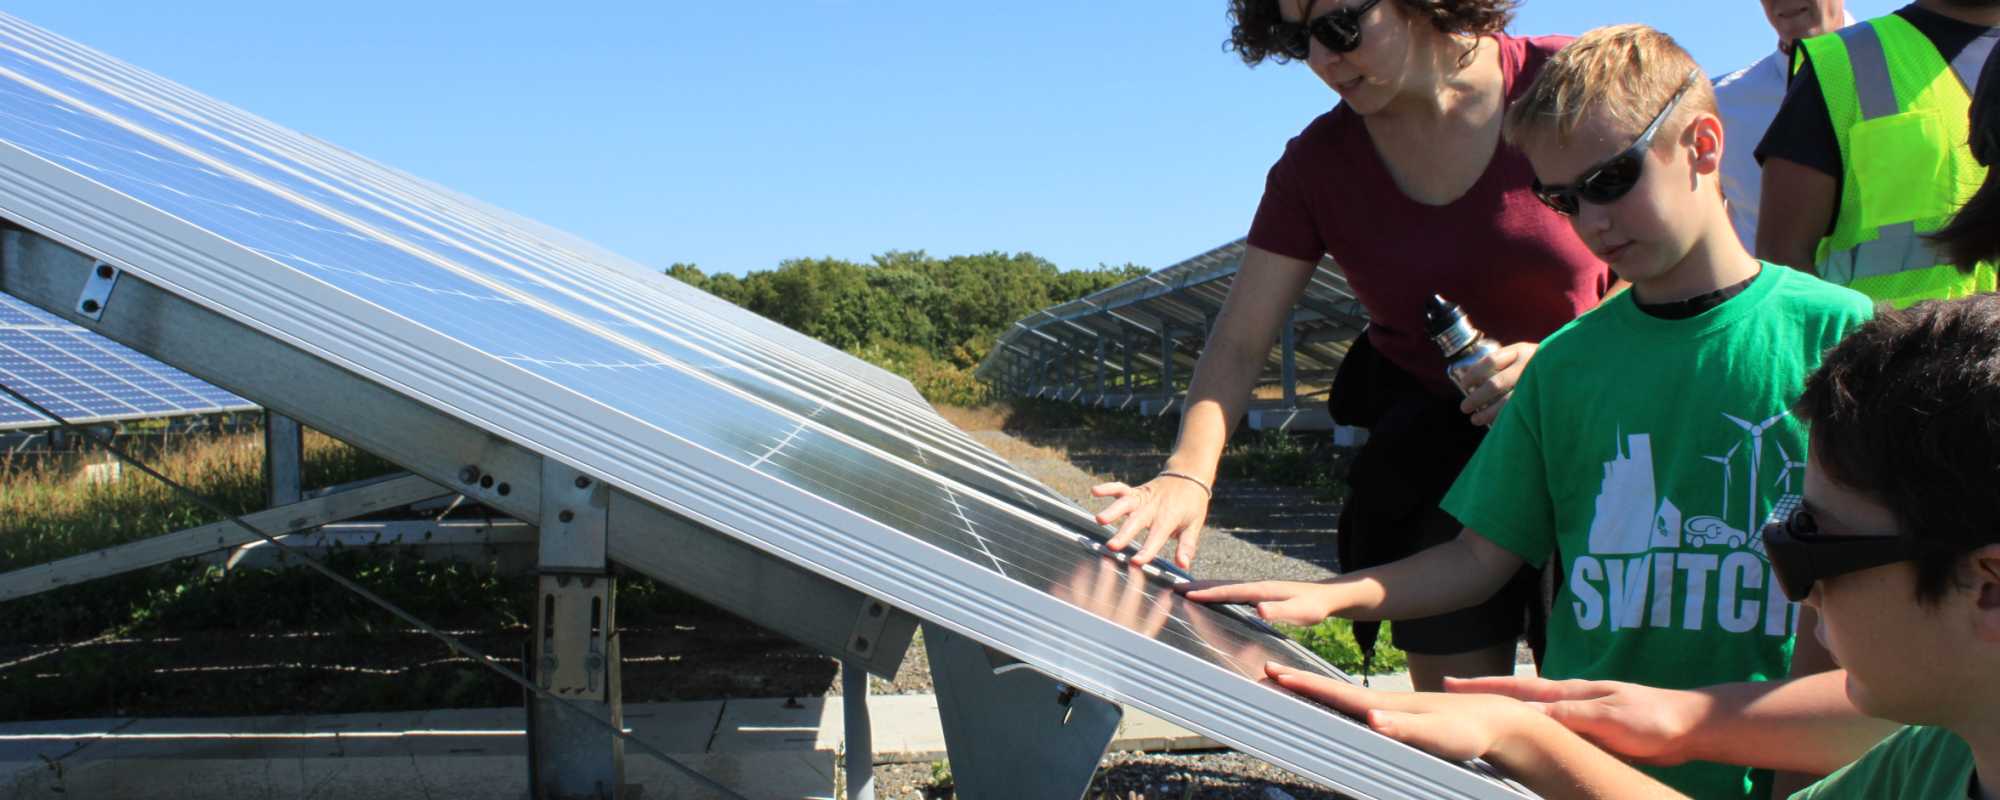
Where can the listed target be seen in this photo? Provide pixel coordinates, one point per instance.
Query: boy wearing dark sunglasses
(1896, 545)
(1650, 440)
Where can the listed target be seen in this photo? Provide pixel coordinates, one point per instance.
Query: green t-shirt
(1649, 453)
(1915, 763)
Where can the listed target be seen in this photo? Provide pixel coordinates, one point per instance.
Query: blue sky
(734, 135)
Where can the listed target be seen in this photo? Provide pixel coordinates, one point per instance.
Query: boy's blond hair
(1626, 73)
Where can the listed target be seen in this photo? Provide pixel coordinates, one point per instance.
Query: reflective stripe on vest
(1899, 114)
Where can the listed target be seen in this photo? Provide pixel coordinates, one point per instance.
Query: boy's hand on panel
(1290, 602)
(1639, 723)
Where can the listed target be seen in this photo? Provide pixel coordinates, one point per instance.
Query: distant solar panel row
(669, 395)
(1059, 351)
(87, 378)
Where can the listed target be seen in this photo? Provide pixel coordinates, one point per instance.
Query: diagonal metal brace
(217, 536)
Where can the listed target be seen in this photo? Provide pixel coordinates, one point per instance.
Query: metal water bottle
(1462, 345)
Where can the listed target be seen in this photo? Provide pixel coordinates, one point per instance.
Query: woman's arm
(1267, 285)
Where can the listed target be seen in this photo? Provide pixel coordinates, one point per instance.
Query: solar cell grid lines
(90, 379)
(673, 397)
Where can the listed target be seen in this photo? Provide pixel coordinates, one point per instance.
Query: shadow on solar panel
(632, 420)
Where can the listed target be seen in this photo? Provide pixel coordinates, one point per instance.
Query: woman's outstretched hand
(1163, 508)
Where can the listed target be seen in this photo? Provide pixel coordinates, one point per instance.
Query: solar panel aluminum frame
(545, 421)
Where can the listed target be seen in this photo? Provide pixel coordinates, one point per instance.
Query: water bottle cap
(1441, 315)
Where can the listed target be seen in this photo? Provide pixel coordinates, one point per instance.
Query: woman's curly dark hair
(1252, 21)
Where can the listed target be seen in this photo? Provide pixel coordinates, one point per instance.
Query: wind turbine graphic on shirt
(1756, 432)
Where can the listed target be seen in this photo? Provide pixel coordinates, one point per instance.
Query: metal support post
(1045, 366)
(284, 453)
(1125, 351)
(575, 652)
(1289, 344)
(860, 743)
(1167, 360)
(1011, 731)
(1098, 359)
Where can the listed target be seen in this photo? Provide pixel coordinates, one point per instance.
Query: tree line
(929, 319)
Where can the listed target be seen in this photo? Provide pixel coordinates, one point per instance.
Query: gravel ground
(1131, 776)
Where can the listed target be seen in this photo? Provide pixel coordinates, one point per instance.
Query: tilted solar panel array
(666, 394)
(89, 379)
(1085, 337)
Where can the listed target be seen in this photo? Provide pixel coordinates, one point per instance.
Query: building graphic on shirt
(1653, 562)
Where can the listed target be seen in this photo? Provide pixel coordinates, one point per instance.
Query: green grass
(1333, 640)
(1282, 458)
(49, 510)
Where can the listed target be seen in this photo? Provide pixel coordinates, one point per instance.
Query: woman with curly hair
(1408, 186)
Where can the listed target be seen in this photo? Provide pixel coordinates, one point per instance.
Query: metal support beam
(277, 376)
(728, 574)
(860, 738)
(1125, 350)
(284, 459)
(576, 657)
(217, 536)
(1097, 360)
(1011, 731)
(1167, 359)
(1289, 345)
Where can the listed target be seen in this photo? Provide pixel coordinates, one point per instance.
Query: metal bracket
(575, 510)
(97, 290)
(574, 624)
(999, 714)
(868, 627)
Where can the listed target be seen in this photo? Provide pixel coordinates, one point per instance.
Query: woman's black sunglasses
(1801, 555)
(1338, 30)
(1610, 180)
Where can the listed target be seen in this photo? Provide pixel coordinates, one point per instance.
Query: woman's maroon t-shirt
(1514, 265)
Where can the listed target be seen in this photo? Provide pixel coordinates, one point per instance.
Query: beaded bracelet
(1167, 473)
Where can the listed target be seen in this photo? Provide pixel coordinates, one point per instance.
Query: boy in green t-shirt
(1648, 441)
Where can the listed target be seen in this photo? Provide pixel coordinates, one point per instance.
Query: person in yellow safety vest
(1869, 152)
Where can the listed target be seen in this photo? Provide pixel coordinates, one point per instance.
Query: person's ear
(1985, 569)
(1705, 139)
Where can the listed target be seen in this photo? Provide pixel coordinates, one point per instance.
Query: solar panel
(671, 396)
(90, 379)
(1087, 338)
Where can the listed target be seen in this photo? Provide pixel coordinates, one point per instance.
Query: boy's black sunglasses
(1604, 183)
(1338, 30)
(1802, 556)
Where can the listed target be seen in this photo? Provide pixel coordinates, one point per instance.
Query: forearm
(1804, 724)
(1216, 399)
(1797, 208)
(1440, 579)
(1560, 765)
(1266, 286)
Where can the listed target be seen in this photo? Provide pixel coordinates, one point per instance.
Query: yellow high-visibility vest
(1900, 115)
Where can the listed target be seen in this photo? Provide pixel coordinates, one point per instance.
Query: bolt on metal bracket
(97, 290)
